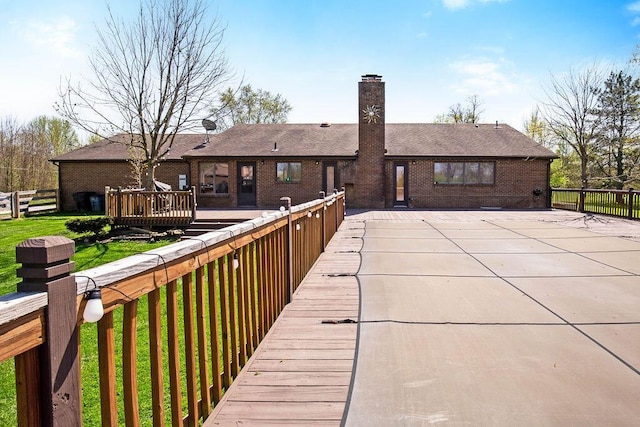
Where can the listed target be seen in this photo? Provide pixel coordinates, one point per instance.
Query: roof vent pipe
(496, 124)
(275, 146)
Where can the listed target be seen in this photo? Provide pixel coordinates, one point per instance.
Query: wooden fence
(209, 301)
(20, 203)
(150, 208)
(620, 203)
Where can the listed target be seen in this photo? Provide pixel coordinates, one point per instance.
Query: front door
(246, 184)
(329, 177)
(401, 189)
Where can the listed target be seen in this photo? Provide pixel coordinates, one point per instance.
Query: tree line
(25, 150)
(591, 119)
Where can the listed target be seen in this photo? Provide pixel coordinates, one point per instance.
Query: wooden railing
(150, 208)
(180, 321)
(620, 203)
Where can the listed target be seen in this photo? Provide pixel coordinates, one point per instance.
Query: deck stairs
(205, 225)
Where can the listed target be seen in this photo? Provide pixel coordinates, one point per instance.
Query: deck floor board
(301, 372)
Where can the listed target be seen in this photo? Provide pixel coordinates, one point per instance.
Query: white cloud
(56, 36)
(455, 4)
(484, 77)
(461, 4)
(634, 7)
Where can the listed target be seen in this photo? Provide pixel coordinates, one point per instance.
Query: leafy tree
(152, 78)
(569, 113)
(618, 145)
(25, 151)
(536, 128)
(247, 105)
(463, 114)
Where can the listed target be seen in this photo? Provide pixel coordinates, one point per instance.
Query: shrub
(95, 226)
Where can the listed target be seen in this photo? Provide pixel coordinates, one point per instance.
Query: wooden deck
(301, 372)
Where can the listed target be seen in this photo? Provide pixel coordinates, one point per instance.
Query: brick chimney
(370, 182)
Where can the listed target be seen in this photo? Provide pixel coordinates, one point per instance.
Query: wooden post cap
(45, 250)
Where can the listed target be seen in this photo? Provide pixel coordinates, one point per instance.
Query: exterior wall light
(93, 310)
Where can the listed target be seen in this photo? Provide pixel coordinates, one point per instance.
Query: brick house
(380, 165)
(105, 163)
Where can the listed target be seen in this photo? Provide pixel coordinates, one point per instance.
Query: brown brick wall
(94, 176)
(370, 183)
(515, 180)
(268, 190)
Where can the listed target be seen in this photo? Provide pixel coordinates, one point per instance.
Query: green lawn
(88, 255)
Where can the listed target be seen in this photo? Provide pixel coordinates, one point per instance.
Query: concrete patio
(466, 318)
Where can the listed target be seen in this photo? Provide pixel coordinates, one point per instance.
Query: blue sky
(431, 53)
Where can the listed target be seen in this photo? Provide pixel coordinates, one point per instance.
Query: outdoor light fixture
(265, 214)
(94, 310)
(317, 214)
(297, 226)
(236, 261)
(309, 214)
(282, 209)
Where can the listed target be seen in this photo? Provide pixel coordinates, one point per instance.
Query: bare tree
(25, 151)
(570, 113)
(474, 109)
(152, 78)
(463, 114)
(9, 154)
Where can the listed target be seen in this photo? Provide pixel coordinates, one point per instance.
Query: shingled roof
(336, 140)
(282, 140)
(420, 140)
(115, 149)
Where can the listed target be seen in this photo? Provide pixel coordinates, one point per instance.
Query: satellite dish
(208, 124)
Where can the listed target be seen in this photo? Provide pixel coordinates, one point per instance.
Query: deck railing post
(581, 200)
(119, 203)
(335, 201)
(324, 219)
(46, 268)
(193, 203)
(630, 204)
(287, 201)
(107, 190)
